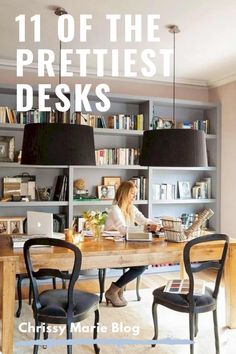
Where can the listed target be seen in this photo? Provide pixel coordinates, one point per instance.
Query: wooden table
(105, 254)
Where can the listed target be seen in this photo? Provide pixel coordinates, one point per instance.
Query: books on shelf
(140, 183)
(60, 192)
(181, 286)
(117, 156)
(124, 121)
(197, 125)
(202, 189)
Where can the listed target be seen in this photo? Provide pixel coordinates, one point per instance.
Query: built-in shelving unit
(115, 138)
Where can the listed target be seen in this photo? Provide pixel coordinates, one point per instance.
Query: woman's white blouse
(116, 220)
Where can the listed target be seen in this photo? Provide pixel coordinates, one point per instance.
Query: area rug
(134, 323)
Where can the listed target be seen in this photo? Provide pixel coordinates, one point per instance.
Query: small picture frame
(11, 225)
(112, 181)
(7, 144)
(106, 192)
(184, 190)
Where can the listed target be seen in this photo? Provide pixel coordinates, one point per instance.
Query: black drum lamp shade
(174, 148)
(58, 144)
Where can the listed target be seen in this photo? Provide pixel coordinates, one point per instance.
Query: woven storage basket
(179, 236)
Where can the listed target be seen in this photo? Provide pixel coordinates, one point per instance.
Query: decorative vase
(97, 231)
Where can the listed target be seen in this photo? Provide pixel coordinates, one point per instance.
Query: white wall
(226, 94)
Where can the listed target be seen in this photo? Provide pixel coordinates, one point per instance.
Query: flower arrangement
(95, 217)
(95, 221)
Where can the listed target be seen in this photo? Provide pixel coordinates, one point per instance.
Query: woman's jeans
(130, 275)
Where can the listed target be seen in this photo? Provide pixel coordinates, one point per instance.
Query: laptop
(41, 224)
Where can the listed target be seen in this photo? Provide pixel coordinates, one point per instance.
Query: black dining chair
(102, 278)
(60, 306)
(190, 303)
(57, 227)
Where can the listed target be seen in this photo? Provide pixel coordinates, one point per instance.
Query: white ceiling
(205, 47)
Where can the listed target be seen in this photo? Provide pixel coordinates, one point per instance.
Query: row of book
(117, 156)
(128, 122)
(140, 183)
(8, 115)
(118, 121)
(202, 189)
(11, 116)
(197, 125)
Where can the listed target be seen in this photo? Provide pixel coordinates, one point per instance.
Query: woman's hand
(152, 227)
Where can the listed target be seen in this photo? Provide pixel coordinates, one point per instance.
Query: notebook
(181, 286)
(41, 224)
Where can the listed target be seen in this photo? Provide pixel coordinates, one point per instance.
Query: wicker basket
(179, 236)
(171, 223)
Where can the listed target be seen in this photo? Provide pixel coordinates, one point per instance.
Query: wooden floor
(130, 315)
(147, 281)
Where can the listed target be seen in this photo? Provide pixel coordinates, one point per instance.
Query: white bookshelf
(110, 138)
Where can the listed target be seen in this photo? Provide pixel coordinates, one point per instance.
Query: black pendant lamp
(174, 147)
(58, 143)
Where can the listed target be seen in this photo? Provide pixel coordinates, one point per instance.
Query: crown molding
(91, 73)
(221, 82)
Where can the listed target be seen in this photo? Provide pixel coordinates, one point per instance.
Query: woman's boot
(121, 296)
(112, 296)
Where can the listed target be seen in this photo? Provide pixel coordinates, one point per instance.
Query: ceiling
(205, 47)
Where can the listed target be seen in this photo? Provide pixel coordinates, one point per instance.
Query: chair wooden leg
(95, 331)
(137, 287)
(195, 325)
(191, 332)
(155, 321)
(69, 336)
(37, 336)
(217, 344)
(101, 278)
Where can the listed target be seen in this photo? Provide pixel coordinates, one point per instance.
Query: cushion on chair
(54, 302)
(179, 300)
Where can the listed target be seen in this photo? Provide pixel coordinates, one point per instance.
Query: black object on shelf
(58, 144)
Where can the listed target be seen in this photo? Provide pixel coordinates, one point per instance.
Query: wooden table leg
(230, 286)
(7, 304)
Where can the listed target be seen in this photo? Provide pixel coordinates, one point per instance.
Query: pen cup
(68, 235)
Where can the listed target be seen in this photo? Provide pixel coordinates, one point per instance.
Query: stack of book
(60, 193)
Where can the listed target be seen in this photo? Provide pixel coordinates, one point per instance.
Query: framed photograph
(184, 190)
(11, 225)
(106, 192)
(3, 227)
(7, 144)
(162, 123)
(112, 181)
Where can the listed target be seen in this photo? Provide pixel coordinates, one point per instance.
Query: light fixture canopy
(58, 144)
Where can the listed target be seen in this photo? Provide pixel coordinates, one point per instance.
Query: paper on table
(88, 233)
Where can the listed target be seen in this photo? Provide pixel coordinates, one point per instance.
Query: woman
(121, 215)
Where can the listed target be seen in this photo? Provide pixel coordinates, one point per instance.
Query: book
(181, 286)
(18, 241)
(60, 188)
